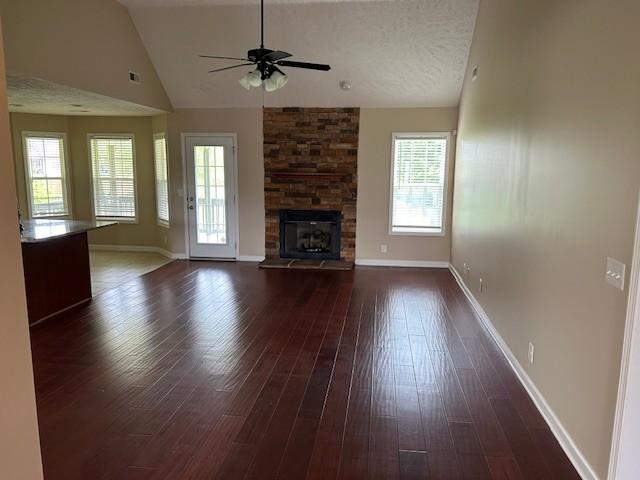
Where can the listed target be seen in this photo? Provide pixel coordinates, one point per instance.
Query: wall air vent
(135, 77)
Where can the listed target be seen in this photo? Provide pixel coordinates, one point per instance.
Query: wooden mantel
(330, 176)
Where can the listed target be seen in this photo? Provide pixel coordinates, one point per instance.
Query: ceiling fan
(266, 74)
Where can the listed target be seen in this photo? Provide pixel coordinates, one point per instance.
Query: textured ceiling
(34, 95)
(404, 53)
(183, 3)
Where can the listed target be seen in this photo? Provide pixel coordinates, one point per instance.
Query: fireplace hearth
(310, 234)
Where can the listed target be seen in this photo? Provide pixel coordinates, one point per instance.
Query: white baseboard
(250, 258)
(138, 248)
(401, 263)
(564, 439)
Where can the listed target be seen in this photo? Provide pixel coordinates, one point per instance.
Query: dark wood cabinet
(57, 275)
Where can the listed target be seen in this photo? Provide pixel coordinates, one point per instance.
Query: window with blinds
(46, 174)
(114, 182)
(418, 184)
(162, 178)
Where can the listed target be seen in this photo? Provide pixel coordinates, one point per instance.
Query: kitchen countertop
(41, 230)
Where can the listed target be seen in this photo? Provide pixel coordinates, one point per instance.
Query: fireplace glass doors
(310, 234)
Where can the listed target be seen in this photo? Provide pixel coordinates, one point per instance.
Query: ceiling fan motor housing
(257, 54)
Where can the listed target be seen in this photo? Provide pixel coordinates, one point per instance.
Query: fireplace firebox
(310, 234)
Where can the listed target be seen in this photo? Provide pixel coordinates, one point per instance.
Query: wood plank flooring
(203, 370)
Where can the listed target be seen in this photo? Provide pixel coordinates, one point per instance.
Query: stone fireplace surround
(310, 163)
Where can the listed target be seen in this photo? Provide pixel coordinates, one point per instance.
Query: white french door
(211, 195)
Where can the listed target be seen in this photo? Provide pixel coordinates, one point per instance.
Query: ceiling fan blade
(229, 68)
(311, 66)
(223, 58)
(275, 56)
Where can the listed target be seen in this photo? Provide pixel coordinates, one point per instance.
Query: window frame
(445, 191)
(161, 222)
(66, 174)
(119, 136)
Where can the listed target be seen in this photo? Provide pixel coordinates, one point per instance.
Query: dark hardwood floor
(206, 370)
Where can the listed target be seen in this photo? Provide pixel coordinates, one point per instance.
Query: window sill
(162, 223)
(120, 220)
(417, 233)
(51, 217)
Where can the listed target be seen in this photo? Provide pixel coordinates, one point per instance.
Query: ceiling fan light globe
(254, 78)
(280, 79)
(270, 85)
(244, 82)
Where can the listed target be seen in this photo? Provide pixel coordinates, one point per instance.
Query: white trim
(137, 248)
(185, 193)
(250, 258)
(162, 136)
(67, 181)
(125, 220)
(564, 439)
(401, 263)
(631, 323)
(445, 191)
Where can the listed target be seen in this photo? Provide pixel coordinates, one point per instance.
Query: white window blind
(162, 178)
(46, 174)
(113, 169)
(418, 184)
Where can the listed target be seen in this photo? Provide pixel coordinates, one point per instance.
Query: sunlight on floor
(110, 269)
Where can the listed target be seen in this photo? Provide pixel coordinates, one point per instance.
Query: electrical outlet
(466, 268)
(135, 77)
(531, 352)
(474, 73)
(615, 273)
(481, 285)
(383, 248)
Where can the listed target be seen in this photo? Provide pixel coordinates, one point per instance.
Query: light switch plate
(531, 352)
(615, 273)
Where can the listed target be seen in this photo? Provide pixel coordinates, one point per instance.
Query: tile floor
(220, 370)
(110, 269)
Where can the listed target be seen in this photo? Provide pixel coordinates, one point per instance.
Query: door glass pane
(210, 198)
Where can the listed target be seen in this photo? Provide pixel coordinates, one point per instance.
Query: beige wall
(247, 124)
(19, 445)
(376, 127)
(143, 233)
(35, 123)
(546, 188)
(85, 44)
(374, 169)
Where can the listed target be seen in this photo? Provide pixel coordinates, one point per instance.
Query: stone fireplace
(311, 162)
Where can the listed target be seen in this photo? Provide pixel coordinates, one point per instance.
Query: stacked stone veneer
(311, 163)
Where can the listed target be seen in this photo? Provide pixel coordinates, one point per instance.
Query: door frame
(630, 346)
(185, 210)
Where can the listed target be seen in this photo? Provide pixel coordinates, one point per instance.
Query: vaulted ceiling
(395, 53)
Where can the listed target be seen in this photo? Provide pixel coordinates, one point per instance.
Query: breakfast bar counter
(55, 256)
